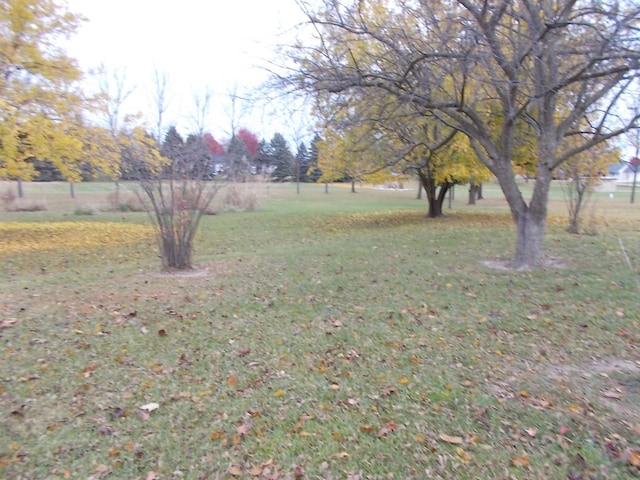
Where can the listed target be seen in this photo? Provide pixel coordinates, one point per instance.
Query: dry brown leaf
(235, 470)
(613, 394)
(8, 323)
(256, 470)
(243, 429)
(451, 439)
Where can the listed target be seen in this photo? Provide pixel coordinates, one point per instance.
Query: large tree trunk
(530, 220)
(435, 195)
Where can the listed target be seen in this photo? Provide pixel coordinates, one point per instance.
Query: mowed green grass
(322, 336)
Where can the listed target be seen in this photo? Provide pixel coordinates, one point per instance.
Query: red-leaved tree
(214, 147)
(250, 140)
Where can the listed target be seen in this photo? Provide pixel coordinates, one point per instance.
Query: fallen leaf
(613, 394)
(150, 407)
(217, 435)
(256, 470)
(532, 432)
(520, 461)
(232, 381)
(634, 459)
(463, 455)
(404, 380)
(235, 470)
(152, 476)
(280, 393)
(563, 430)
(341, 455)
(8, 323)
(243, 429)
(388, 391)
(449, 439)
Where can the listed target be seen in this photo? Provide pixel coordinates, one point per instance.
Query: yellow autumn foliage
(23, 237)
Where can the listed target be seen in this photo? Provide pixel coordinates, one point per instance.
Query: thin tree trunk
(20, 192)
(353, 185)
(473, 192)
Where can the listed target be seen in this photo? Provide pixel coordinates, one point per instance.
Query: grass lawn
(339, 336)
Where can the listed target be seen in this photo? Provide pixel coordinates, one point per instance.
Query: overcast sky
(215, 46)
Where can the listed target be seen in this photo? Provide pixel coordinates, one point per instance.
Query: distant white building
(622, 172)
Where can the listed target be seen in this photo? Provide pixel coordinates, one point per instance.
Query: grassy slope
(329, 335)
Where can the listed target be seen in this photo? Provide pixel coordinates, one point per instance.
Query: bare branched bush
(175, 192)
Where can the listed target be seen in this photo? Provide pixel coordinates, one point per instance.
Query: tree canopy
(40, 101)
(493, 71)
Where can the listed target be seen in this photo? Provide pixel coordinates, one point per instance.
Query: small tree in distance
(175, 191)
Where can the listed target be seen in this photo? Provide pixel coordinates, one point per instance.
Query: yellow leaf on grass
(463, 455)
(279, 393)
(404, 380)
(520, 461)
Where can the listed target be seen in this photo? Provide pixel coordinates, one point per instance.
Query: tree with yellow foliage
(41, 104)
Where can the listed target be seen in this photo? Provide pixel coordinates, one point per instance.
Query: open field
(334, 336)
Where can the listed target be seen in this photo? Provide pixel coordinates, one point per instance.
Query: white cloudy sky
(200, 45)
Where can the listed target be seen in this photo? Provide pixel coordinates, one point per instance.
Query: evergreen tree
(238, 159)
(172, 145)
(263, 156)
(282, 159)
(302, 162)
(314, 172)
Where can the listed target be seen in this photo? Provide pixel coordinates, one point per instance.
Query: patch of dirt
(198, 271)
(615, 382)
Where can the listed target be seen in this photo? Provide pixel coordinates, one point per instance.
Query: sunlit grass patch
(21, 237)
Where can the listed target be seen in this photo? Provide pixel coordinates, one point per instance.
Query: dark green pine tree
(173, 148)
(263, 156)
(173, 145)
(302, 162)
(282, 159)
(314, 172)
(238, 163)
